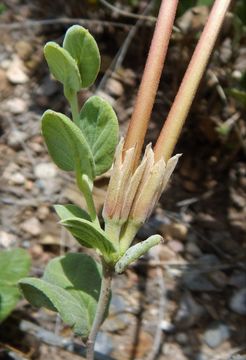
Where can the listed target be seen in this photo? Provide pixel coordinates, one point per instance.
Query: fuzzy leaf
(14, 264)
(135, 252)
(70, 286)
(99, 125)
(66, 144)
(83, 48)
(89, 235)
(62, 66)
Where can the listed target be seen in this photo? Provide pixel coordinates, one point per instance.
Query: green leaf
(83, 48)
(238, 95)
(89, 235)
(71, 211)
(62, 66)
(135, 252)
(99, 124)
(14, 264)
(66, 144)
(70, 286)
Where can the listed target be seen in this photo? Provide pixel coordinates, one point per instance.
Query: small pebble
(167, 327)
(182, 338)
(216, 334)
(15, 73)
(7, 239)
(176, 246)
(45, 171)
(16, 106)
(32, 226)
(17, 179)
(175, 230)
(114, 87)
(192, 249)
(238, 302)
(16, 139)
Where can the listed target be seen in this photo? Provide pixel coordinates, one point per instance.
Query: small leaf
(70, 286)
(14, 264)
(99, 125)
(83, 48)
(135, 252)
(62, 66)
(66, 144)
(71, 211)
(89, 235)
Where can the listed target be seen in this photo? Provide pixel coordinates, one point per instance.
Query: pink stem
(183, 100)
(151, 77)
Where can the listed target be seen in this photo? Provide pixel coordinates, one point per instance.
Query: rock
(166, 254)
(32, 226)
(17, 179)
(238, 279)
(176, 246)
(45, 171)
(193, 249)
(167, 327)
(189, 311)
(226, 51)
(196, 281)
(15, 73)
(114, 87)
(175, 230)
(218, 278)
(7, 239)
(43, 212)
(16, 106)
(104, 343)
(182, 338)
(216, 334)
(200, 356)
(48, 87)
(24, 49)
(16, 139)
(238, 302)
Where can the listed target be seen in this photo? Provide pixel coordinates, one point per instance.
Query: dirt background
(187, 298)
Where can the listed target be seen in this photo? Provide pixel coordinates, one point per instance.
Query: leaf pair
(77, 221)
(77, 63)
(90, 146)
(14, 264)
(70, 286)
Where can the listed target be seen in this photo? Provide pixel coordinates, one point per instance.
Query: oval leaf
(99, 124)
(135, 251)
(14, 264)
(70, 286)
(62, 66)
(69, 211)
(83, 48)
(66, 144)
(89, 235)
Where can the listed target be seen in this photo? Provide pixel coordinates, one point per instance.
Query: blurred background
(187, 298)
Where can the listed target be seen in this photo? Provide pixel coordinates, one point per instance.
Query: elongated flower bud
(133, 193)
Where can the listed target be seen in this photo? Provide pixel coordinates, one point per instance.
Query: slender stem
(74, 108)
(182, 103)
(151, 77)
(101, 308)
(83, 185)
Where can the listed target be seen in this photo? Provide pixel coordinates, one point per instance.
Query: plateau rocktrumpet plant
(76, 285)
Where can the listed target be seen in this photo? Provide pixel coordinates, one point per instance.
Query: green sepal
(98, 122)
(63, 66)
(70, 286)
(135, 252)
(66, 143)
(83, 48)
